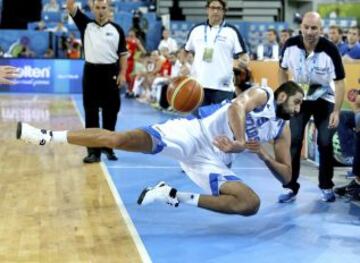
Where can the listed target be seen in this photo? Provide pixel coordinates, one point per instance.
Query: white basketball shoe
(160, 192)
(30, 134)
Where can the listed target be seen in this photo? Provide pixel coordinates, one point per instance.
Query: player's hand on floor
(227, 145)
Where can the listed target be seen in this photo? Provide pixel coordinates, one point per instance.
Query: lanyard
(306, 69)
(217, 35)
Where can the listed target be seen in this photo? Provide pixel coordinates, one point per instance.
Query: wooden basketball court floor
(56, 209)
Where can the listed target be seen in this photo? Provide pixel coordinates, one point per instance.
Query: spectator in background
(52, 6)
(74, 50)
(49, 53)
(139, 26)
(73, 46)
(243, 78)
(215, 44)
(153, 65)
(189, 57)
(270, 49)
(353, 188)
(285, 34)
(139, 73)
(335, 36)
(168, 42)
(181, 67)
(163, 76)
(41, 26)
(21, 49)
(352, 53)
(142, 69)
(59, 28)
(166, 65)
(134, 46)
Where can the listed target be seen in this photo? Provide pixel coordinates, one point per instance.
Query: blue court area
(305, 231)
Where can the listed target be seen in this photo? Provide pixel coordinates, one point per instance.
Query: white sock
(188, 198)
(59, 136)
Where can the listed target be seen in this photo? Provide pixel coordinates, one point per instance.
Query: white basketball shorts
(185, 141)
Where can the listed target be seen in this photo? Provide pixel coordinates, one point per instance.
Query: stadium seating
(238, 10)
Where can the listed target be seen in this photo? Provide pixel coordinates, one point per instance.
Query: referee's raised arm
(71, 7)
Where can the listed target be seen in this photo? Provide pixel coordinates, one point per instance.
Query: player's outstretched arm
(280, 165)
(6, 73)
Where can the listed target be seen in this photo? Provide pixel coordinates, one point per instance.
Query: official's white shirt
(103, 44)
(321, 67)
(217, 74)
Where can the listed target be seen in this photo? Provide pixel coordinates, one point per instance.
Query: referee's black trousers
(320, 110)
(100, 91)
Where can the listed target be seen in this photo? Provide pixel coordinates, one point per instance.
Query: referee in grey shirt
(104, 71)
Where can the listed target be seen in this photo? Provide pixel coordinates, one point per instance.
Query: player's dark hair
(290, 88)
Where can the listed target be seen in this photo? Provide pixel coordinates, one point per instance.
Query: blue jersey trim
(207, 110)
(232, 178)
(156, 139)
(214, 179)
(280, 130)
(261, 108)
(214, 183)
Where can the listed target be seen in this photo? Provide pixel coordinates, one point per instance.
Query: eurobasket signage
(46, 75)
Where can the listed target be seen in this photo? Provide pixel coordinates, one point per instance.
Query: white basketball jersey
(261, 124)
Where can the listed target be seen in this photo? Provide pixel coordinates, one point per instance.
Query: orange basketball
(185, 94)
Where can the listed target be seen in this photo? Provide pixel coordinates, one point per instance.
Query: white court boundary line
(144, 255)
(173, 167)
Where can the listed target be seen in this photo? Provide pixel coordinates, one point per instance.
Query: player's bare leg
(235, 198)
(134, 141)
(131, 141)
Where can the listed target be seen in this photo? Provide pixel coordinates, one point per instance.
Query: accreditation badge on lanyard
(208, 54)
(209, 50)
(305, 73)
(305, 87)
